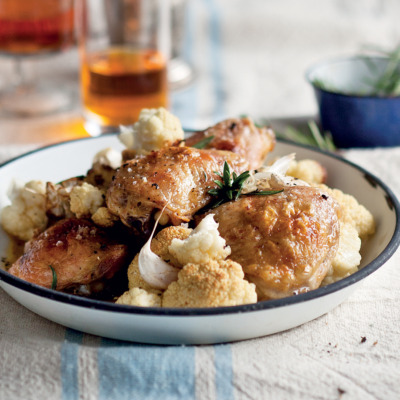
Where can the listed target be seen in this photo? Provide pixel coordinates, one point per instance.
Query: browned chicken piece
(175, 177)
(284, 242)
(79, 252)
(240, 136)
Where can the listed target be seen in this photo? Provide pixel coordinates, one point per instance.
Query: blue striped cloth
(128, 371)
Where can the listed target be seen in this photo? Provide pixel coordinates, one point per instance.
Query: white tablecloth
(250, 57)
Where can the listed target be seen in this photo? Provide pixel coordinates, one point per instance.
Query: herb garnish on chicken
(230, 188)
(203, 143)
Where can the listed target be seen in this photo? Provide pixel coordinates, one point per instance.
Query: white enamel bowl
(197, 326)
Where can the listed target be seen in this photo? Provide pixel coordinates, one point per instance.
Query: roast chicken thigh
(284, 242)
(76, 250)
(240, 136)
(175, 177)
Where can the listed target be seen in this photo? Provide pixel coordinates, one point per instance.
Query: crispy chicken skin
(78, 251)
(284, 242)
(175, 177)
(240, 136)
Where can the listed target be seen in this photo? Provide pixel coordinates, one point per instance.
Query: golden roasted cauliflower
(309, 171)
(103, 217)
(353, 212)
(356, 223)
(214, 284)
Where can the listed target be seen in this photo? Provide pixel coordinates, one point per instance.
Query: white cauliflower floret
(103, 217)
(348, 257)
(58, 198)
(155, 129)
(356, 223)
(203, 244)
(352, 212)
(108, 157)
(85, 200)
(26, 215)
(214, 284)
(309, 171)
(139, 297)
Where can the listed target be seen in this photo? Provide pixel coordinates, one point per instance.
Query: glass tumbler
(33, 30)
(124, 51)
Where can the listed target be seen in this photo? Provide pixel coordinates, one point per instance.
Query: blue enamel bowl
(348, 110)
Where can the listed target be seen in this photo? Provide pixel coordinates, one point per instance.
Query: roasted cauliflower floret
(348, 257)
(160, 246)
(214, 284)
(85, 200)
(100, 175)
(104, 166)
(203, 245)
(155, 129)
(139, 297)
(58, 197)
(309, 171)
(356, 223)
(108, 157)
(103, 217)
(26, 215)
(352, 212)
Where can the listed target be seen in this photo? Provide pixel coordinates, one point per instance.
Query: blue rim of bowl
(99, 305)
(331, 61)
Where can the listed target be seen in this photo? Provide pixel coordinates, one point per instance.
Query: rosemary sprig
(54, 282)
(312, 136)
(386, 82)
(231, 185)
(203, 142)
(265, 192)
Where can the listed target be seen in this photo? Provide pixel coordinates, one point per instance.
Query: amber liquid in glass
(118, 83)
(29, 27)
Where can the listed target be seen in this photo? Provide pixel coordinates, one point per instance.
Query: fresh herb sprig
(328, 86)
(231, 185)
(54, 281)
(311, 136)
(203, 142)
(386, 83)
